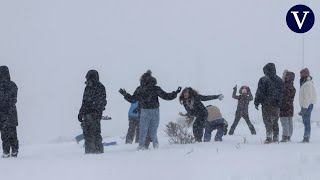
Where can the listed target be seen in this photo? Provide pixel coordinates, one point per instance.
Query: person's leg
(235, 123)
(307, 122)
(285, 128)
(250, 125)
(99, 148)
(131, 131)
(219, 134)
(208, 131)
(198, 126)
(143, 127)
(267, 122)
(137, 131)
(290, 128)
(275, 125)
(154, 124)
(89, 143)
(5, 142)
(14, 143)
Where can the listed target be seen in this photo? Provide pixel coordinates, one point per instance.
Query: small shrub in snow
(178, 134)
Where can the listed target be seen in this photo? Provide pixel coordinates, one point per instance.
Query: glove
(257, 107)
(178, 90)
(221, 97)
(235, 88)
(80, 117)
(181, 114)
(303, 111)
(122, 91)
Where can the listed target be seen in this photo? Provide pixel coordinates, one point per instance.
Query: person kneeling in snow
(215, 121)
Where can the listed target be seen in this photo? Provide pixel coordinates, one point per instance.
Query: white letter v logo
(299, 23)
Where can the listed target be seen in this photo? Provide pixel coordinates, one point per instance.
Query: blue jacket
(131, 114)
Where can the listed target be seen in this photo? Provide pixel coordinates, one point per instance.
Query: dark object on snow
(109, 143)
(242, 109)
(195, 107)
(270, 95)
(93, 105)
(8, 113)
(178, 134)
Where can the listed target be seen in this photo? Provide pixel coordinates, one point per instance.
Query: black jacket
(147, 93)
(194, 106)
(94, 97)
(8, 99)
(270, 88)
(243, 101)
(287, 108)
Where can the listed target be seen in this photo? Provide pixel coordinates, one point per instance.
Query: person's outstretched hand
(235, 88)
(122, 91)
(221, 96)
(178, 90)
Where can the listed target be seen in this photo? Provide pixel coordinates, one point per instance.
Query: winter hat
(4, 73)
(243, 90)
(92, 75)
(305, 72)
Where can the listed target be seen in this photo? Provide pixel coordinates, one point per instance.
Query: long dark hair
(192, 93)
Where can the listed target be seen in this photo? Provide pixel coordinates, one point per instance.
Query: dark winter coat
(148, 93)
(243, 102)
(270, 88)
(8, 99)
(94, 97)
(195, 107)
(289, 92)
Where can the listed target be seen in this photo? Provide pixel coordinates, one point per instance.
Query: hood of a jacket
(147, 79)
(289, 77)
(270, 70)
(92, 76)
(4, 73)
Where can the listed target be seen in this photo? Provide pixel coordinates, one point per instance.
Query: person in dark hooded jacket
(148, 94)
(287, 109)
(8, 114)
(242, 109)
(269, 94)
(191, 100)
(90, 114)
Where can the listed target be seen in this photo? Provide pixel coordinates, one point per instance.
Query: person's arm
(208, 98)
(128, 97)
(250, 97)
(13, 95)
(260, 93)
(307, 96)
(166, 96)
(234, 94)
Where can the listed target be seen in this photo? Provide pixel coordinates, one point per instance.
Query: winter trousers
(149, 122)
(245, 116)
(92, 134)
(218, 125)
(306, 117)
(270, 115)
(287, 126)
(199, 125)
(133, 130)
(9, 140)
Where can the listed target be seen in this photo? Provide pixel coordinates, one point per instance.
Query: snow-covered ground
(232, 159)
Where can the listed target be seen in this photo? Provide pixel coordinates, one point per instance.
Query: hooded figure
(147, 94)
(286, 110)
(93, 105)
(8, 113)
(269, 94)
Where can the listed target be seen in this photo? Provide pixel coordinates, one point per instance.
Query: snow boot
(268, 141)
(284, 139)
(231, 132)
(141, 148)
(305, 140)
(253, 132)
(275, 139)
(288, 139)
(5, 156)
(155, 145)
(14, 154)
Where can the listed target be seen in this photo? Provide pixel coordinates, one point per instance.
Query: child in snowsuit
(242, 109)
(191, 100)
(133, 129)
(215, 121)
(286, 109)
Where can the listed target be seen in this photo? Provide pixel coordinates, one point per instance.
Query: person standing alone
(8, 114)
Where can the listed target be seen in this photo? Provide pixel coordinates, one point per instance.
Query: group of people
(275, 95)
